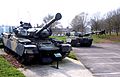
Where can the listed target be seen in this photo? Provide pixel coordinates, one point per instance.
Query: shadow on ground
(93, 46)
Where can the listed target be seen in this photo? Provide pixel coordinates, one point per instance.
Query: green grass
(7, 70)
(98, 39)
(106, 39)
(63, 38)
(72, 55)
(113, 37)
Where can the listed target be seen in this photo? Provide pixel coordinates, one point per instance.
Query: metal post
(57, 64)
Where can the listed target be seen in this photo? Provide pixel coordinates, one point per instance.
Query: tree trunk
(117, 31)
(109, 32)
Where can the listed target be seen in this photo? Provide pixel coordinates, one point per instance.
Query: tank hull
(29, 50)
(82, 42)
(79, 42)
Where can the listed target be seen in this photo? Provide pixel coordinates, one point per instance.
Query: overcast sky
(13, 11)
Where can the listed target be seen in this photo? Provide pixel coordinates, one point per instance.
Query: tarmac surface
(103, 60)
(67, 68)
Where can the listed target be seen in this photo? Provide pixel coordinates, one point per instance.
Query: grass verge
(7, 70)
(106, 38)
(72, 55)
(100, 39)
(63, 38)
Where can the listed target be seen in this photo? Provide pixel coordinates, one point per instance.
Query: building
(6, 29)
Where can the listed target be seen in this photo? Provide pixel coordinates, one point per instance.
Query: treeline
(110, 23)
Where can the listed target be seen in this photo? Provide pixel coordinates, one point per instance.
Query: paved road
(103, 60)
(67, 68)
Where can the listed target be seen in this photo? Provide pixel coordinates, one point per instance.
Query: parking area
(103, 60)
(67, 68)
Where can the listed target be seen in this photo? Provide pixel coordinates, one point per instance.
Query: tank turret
(45, 31)
(26, 30)
(22, 29)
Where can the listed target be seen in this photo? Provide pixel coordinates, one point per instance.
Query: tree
(79, 23)
(113, 21)
(116, 21)
(96, 22)
(109, 22)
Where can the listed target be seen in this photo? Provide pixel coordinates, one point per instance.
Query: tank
(33, 44)
(78, 39)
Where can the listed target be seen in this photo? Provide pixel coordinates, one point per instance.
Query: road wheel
(89, 44)
(74, 43)
(25, 59)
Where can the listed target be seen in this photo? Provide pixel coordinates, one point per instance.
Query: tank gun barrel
(58, 16)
